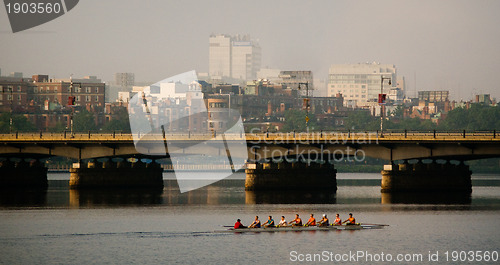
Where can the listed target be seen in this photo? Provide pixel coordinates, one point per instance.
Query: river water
(60, 226)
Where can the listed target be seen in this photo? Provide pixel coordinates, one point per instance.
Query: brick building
(45, 102)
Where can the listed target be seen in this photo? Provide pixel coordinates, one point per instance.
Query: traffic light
(306, 104)
(382, 98)
(71, 100)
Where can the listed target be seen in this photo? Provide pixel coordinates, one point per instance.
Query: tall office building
(125, 79)
(234, 56)
(219, 61)
(359, 83)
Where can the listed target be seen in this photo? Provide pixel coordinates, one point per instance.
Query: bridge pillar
(116, 175)
(290, 176)
(426, 177)
(23, 174)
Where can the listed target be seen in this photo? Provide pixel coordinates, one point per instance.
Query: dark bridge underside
(387, 151)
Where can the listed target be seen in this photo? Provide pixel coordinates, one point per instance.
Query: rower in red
(296, 222)
(337, 220)
(238, 224)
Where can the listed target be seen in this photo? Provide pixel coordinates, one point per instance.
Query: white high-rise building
(360, 83)
(233, 56)
(219, 60)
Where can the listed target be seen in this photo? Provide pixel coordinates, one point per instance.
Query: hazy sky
(452, 45)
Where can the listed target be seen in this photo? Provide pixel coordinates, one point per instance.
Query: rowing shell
(300, 228)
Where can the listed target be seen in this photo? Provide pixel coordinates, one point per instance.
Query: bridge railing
(339, 134)
(450, 133)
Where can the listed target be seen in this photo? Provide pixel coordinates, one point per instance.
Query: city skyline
(449, 45)
(233, 56)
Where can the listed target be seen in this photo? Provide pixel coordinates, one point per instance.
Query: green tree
(19, 123)
(412, 124)
(477, 117)
(59, 127)
(295, 120)
(84, 121)
(362, 121)
(119, 123)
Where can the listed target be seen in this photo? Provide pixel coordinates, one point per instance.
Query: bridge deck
(316, 137)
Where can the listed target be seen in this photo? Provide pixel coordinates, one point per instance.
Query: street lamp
(71, 102)
(72, 105)
(307, 103)
(381, 102)
(11, 108)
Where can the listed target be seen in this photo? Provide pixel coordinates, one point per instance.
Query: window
(96, 99)
(77, 98)
(88, 89)
(35, 89)
(19, 88)
(55, 89)
(97, 90)
(41, 89)
(69, 89)
(19, 97)
(87, 98)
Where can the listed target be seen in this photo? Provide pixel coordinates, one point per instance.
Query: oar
(374, 224)
(227, 225)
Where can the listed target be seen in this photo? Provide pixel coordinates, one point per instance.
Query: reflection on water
(290, 197)
(426, 198)
(23, 197)
(232, 192)
(99, 197)
(210, 195)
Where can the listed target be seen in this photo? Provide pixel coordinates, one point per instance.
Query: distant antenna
(415, 85)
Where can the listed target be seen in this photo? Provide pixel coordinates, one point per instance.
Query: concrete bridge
(392, 146)
(269, 153)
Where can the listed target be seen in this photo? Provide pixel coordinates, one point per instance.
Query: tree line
(477, 117)
(83, 121)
